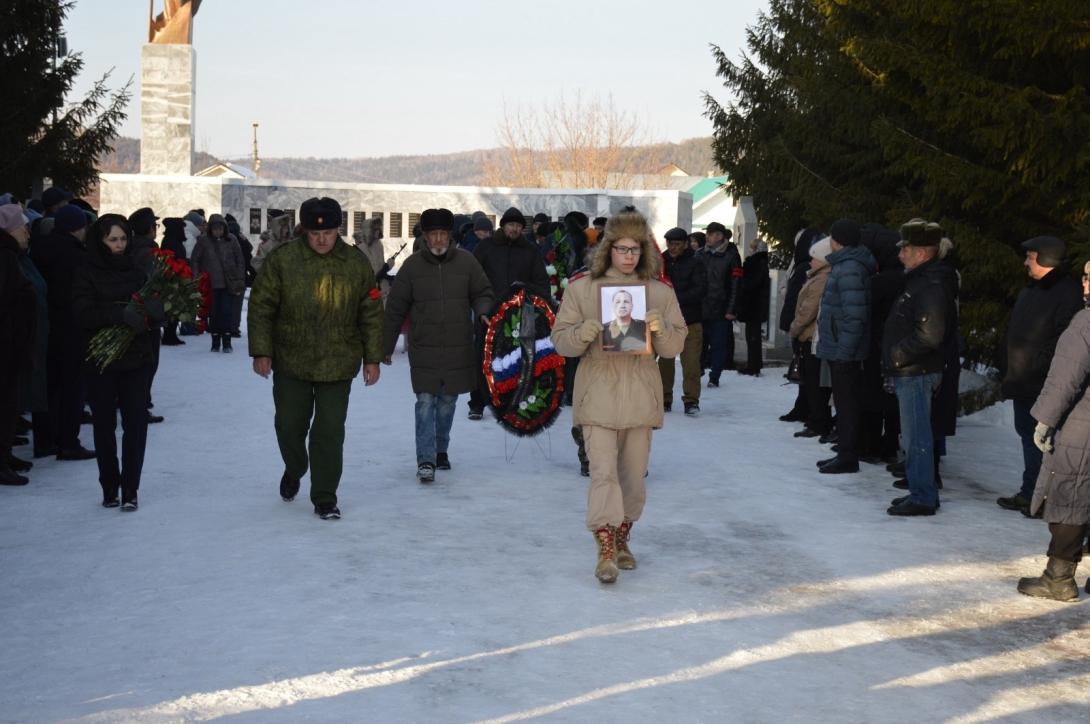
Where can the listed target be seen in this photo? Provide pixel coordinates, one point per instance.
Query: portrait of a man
(624, 309)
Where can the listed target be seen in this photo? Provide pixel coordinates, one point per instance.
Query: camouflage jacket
(316, 315)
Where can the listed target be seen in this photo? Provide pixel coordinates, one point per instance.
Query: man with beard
(438, 288)
(508, 259)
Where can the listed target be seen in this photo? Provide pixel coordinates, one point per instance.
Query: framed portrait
(622, 309)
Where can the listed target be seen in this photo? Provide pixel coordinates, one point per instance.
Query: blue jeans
(914, 397)
(434, 416)
(716, 332)
(1031, 456)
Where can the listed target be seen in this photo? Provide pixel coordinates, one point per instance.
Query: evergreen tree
(972, 113)
(40, 134)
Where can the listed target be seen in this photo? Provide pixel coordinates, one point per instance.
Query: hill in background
(452, 169)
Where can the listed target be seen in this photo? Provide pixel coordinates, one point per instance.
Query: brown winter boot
(606, 570)
(1057, 582)
(625, 560)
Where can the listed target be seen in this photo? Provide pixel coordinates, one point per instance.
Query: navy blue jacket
(844, 320)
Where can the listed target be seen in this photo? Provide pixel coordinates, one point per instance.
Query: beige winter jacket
(804, 325)
(615, 390)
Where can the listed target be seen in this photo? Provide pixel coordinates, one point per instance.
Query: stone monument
(167, 90)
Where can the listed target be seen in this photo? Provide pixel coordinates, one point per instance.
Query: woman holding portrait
(618, 397)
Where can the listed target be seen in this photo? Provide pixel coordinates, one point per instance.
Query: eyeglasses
(627, 250)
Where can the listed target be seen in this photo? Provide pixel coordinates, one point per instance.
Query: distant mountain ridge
(451, 169)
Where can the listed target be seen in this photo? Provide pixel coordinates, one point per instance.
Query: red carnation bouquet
(184, 298)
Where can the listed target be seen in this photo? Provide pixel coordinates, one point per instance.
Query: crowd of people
(872, 313)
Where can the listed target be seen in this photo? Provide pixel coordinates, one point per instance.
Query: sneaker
(476, 414)
(289, 488)
(442, 461)
(692, 409)
(128, 506)
(425, 472)
(327, 511)
(667, 406)
(713, 383)
(113, 502)
(1017, 502)
(77, 453)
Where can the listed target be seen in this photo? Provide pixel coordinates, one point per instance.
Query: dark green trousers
(319, 408)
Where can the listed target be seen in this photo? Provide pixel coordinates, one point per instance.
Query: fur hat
(627, 224)
(676, 234)
(918, 232)
(11, 217)
(821, 249)
(436, 219)
(846, 232)
(513, 215)
(320, 214)
(1050, 250)
(69, 218)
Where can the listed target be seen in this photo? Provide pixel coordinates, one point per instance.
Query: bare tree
(571, 143)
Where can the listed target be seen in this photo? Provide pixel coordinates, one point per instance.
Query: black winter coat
(58, 255)
(690, 282)
(944, 407)
(437, 295)
(912, 341)
(143, 251)
(18, 311)
(100, 291)
(1040, 315)
(724, 269)
(506, 262)
(800, 268)
(755, 289)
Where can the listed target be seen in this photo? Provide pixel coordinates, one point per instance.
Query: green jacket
(314, 314)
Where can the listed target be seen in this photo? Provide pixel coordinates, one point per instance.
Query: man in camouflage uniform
(315, 313)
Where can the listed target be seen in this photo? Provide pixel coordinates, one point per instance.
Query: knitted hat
(482, 223)
(194, 218)
(821, 249)
(1050, 250)
(11, 217)
(513, 215)
(846, 232)
(69, 218)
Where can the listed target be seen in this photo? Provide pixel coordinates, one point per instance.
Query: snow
(765, 592)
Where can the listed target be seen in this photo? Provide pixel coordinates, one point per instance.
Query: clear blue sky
(356, 78)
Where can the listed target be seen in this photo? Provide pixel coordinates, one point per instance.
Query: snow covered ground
(765, 592)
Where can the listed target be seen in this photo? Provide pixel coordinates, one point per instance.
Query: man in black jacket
(507, 259)
(690, 281)
(1040, 315)
(724, 267)
(912, 359)
(58, 255)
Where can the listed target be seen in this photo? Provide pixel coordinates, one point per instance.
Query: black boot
(1057, 582)
(227, 344)
(215, 343)
(289, 488)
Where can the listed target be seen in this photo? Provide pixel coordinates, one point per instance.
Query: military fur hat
(436, 219)
(320, 214)
(918, 232)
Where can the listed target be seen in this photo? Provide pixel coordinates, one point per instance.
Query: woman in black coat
(101, 291)
(753, 309)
